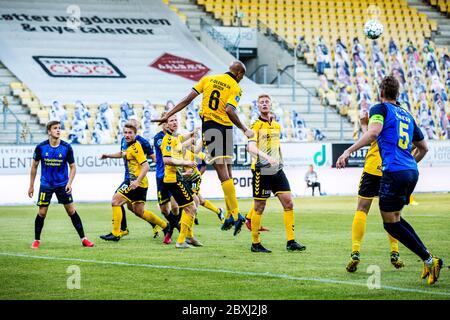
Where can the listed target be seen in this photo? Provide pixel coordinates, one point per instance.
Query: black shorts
(181, 192)
(137, 195)
(195, 185)
(46, 193)
(396, 189)
(264, 183)
(369, 186)
(217, 142)
(163, 193)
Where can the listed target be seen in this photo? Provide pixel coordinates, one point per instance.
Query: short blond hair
(264, 95)
(131, 125)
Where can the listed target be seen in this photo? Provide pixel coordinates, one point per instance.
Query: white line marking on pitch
(246, 273)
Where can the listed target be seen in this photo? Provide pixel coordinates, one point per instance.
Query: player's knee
(260, 206)
(288, 205)
(42, 213)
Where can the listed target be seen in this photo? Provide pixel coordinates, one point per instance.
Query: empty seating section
(349, 80)
(331, 19)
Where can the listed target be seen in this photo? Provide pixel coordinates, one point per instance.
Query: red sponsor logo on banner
(182, 67)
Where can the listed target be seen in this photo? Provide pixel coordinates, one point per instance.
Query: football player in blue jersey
(167, 205)
(55, 156)
(396, 132)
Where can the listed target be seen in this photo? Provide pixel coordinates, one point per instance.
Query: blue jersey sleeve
(377, 113)
(417, 133)
(157, 142)
(37, 154)
(70, 157)
(146, 146)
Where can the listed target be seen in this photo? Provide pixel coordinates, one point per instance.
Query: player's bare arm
(73, 171)
(144, 170)
(231, 112)
(421, 149)
(153, 157)
(364, 121)
(179, 162)
(367, 138)
(111, 155)
(180, 106)
(191, 134)
(256, 152)
(34, 167)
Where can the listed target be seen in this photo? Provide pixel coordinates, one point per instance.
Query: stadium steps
(193, 13)
(324, 118)
(441, 37)
(8, 134)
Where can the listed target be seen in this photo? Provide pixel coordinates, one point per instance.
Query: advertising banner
(180, 66)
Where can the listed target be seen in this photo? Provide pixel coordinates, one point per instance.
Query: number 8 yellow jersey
(218, 91)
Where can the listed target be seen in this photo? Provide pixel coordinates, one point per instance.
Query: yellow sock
(209, 205)
(153, 218)
(358, 229)
(250, 213)
(288, 224)
(186, 223)
(394, 243)
(228, 211)
(230, 197)
(256, 223)
(116, 220)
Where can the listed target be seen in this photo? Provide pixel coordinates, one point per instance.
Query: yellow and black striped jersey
(372, 164)
(191, 156)
(218, 91)
(171, 147)
(136, 157)
(267, 138)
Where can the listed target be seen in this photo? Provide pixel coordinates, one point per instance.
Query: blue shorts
(396, 189)
(163, 193)
(46, 193)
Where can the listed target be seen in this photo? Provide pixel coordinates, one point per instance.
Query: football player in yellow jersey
(172, 152)
(193, 178)
(134, 192)
(369, 187)
(221, 95)
(268, 175)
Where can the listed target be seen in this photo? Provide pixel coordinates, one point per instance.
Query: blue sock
(402, 234)
(38, 225)
(76, 221)
(410, 228)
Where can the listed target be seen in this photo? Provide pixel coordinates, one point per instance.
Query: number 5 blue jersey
(396, 137)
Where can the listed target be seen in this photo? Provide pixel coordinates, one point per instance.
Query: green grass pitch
(140, 267)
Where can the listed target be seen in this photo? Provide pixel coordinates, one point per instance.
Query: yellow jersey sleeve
(235, 96)
(255, 128)
(199, 87)
(201, 155)
(167, 146)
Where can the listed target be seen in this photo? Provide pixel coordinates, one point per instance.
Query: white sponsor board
(17, 159)
(248, 36)
(438, 154)
(304, 154)
(101, 187)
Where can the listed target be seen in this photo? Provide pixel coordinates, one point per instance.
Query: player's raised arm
(180, 106)
(231, 112)
(375, 126)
